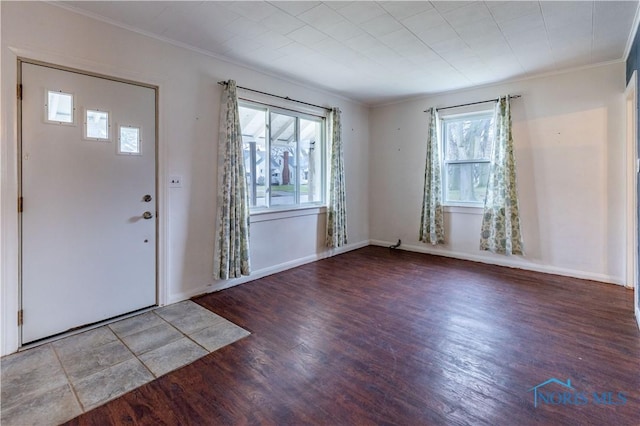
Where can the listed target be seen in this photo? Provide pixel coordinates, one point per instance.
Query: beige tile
(34, 371)
(172, 356)
(14, 364)
(152, 338)
(52, 407)
(84, 341)
(175, 311)
(110, 383)
(136, 324)
(189, 317)
(91, 360)
(214, 338)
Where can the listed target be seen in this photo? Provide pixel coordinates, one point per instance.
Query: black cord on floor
(395, 246)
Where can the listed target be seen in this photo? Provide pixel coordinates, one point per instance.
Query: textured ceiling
(375, 52)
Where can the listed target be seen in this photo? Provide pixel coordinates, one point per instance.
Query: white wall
(568, 132)
(188, 117)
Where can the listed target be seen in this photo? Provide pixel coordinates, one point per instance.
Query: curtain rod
(286, 98)
(474, 103)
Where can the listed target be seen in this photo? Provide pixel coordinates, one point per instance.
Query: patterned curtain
(432, 219)
(232, 229)
(501, 220)
(337, 208)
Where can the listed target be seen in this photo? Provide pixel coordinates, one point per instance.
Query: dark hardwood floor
(390, 337)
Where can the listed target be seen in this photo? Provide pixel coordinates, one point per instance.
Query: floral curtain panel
(432, 219)
(232, 229)
(337, 206)
(501, 219)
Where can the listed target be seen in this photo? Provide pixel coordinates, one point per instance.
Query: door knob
(147, 215)
(147, 198)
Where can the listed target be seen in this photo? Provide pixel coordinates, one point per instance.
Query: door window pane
(59, 107)
(96, 125)
(129, 140)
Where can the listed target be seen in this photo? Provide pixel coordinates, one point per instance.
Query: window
(129, 141)
(467, 144)
(59, 107)
(96, 125)
(283, 155)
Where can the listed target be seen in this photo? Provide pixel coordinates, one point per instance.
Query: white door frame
(9, 235)
(631, 111)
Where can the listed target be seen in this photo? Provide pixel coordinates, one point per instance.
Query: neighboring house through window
(467, 141)
(284, 156)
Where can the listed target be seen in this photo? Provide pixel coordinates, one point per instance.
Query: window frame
(457, 115)
(322, 117)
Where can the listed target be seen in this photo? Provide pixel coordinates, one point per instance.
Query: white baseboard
(261, 273)
(511, 262)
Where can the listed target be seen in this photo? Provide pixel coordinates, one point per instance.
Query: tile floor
(57, 381)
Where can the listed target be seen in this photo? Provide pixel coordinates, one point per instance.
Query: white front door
(88, 182)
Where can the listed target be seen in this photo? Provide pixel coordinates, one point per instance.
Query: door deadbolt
(147, 215)
(147, 198)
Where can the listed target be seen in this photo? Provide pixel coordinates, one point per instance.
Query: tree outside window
(467, 144)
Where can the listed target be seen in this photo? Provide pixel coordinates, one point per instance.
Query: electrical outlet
(175, 181)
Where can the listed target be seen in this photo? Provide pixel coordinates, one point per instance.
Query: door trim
(631, 111)
(22, 60)
(159, 191)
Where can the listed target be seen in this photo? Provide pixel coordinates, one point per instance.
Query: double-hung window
(284, 156)
(467, 141)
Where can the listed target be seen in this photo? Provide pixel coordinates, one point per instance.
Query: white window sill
(462, 209)
(286, 212)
